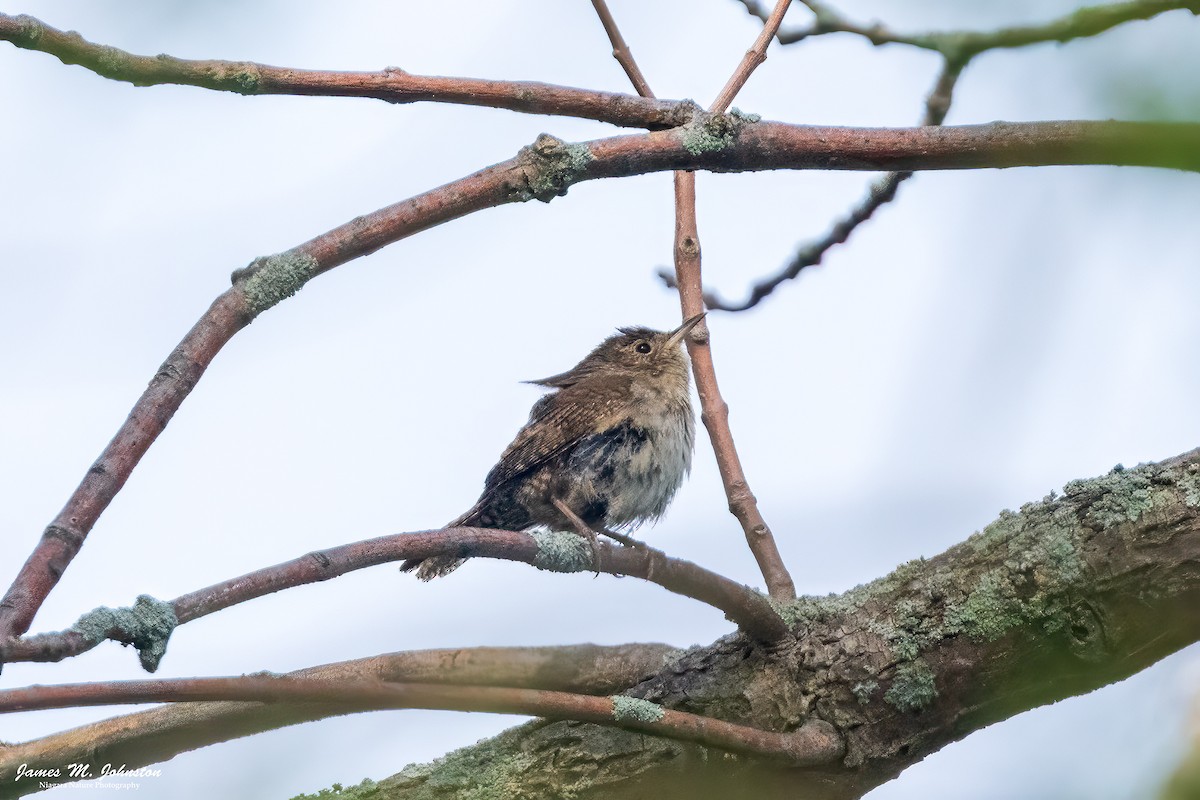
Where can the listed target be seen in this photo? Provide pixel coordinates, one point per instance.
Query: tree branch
(753, 59)
(557, 552)
(543, 171)
(156, 735)
(809, 745)
(148, 737)
(715, 413)
(392, 85)
(621, 51)
(1070, 594)
(882, 192)
(963, 45)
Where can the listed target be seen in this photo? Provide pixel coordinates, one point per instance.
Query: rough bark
(1069, 594)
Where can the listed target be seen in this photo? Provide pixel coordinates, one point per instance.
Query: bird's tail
(436, 566)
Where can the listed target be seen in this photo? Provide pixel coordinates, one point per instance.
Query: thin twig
(742, 503)
(621, 51)
(745, 607)
(392, 85)
(883, 191)
(714, 411)
(545, 171)
(959, 45)
(814, 743)
(755, 56)
(155, 735)
(958, 48)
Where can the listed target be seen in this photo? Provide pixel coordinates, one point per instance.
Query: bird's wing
(556, 423)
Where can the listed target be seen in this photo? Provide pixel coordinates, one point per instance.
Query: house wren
(606, 450)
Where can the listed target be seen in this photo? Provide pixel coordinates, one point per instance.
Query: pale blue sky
(991, 336)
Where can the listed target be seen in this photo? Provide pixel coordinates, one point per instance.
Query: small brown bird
(605, 451)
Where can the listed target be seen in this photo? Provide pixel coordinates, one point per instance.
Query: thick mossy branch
(1061, 597)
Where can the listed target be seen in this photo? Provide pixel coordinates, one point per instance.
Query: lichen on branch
(1058, 598)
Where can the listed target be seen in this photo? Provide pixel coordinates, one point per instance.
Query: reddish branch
(754, 57)
(393, 85)
(748, 609)
(544, 171)
(961, 45)
(715, 412)
(739, 145)
(814, 743)
(742, 503)
(621, 51)
(155, 735)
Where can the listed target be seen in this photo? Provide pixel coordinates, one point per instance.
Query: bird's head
(631, 351)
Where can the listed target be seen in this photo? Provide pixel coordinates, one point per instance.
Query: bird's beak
(677, 335)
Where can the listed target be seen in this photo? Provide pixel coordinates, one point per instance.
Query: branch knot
(147, 625)
(549, 166)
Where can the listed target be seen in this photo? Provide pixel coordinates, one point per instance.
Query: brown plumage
(613, 442)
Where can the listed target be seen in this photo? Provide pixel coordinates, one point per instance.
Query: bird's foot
(627, 541)
(583, 529)
(594, 543)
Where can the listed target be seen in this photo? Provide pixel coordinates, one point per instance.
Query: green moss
(270, 280)
(633, 709)
(904, 624)
(1041, 565)
(480, 772)
(362, 791)
(672, 656)
(1023, 571)
(922, 603)
(247, 80)
(863, 691)
(31, 31)
(913, 687)
(147, 625)
(110, 62)
(1189, 482)
(562, 552)
(809, 610)
(988, 612)
(708, 133)
(1122, 495)
(551, 167)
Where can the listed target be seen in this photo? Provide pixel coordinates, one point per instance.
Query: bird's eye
(642, 347)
